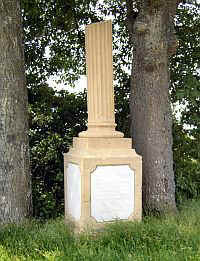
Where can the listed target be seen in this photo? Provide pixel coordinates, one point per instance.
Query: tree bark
(15, 179)
(152, 33)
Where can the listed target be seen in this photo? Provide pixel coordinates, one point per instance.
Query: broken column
(101, 119)
(103, 174)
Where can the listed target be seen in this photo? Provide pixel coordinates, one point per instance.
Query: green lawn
(170, 238)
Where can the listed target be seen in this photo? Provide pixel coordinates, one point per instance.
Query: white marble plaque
(112, 192)
(74, 191)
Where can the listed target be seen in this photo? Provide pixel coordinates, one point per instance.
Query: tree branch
(131, 15)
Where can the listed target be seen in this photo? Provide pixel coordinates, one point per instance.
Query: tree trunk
(152, 33)
(15, 180)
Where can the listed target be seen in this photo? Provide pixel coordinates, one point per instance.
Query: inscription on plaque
(112, 193)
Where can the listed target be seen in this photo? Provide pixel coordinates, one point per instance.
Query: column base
(106, 130)
(103, 182)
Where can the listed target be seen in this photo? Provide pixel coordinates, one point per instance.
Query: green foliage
(55, 118)
(185, 91)
(169, 238)
(122, 110)
(187, 168)
(54, 38)
(185, 65)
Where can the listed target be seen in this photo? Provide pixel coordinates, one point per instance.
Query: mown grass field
(167, 238)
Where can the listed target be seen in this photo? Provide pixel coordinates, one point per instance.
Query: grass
(168, 238)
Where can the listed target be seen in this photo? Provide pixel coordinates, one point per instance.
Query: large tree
(53, 116)
(151, 27)
(15, 190)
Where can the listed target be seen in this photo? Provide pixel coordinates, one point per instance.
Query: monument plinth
(103, 174)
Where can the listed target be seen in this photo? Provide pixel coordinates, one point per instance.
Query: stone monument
(103, 174)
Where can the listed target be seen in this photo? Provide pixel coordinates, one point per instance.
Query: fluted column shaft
(101, 119)
(100, 73)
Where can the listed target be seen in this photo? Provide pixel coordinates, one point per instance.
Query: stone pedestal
(103, 174)
(102, 182)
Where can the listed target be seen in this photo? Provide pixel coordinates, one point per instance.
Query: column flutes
(100, 97)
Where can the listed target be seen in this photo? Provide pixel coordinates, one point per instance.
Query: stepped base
(103, 182)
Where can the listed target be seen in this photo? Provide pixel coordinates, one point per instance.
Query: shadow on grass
(168, 238)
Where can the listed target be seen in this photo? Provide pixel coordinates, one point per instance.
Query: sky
(80, 85)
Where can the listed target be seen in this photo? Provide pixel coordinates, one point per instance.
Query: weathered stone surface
(104, 158)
